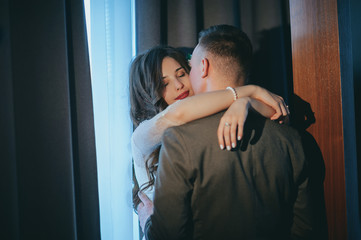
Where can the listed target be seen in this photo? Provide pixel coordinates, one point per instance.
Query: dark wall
(272, 60)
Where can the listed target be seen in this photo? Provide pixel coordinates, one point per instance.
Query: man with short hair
(258, 190)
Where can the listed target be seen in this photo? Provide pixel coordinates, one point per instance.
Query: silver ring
(227, 124)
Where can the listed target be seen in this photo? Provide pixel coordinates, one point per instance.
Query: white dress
(145, 139)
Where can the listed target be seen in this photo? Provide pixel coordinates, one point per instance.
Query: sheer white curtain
(111, 40)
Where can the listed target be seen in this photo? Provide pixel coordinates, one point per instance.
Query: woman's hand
(231, 124)
(274, 101)
(144, 209)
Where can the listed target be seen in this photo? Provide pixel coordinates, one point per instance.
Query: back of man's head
(231, 49)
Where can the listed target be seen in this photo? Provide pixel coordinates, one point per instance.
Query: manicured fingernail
(233, 145)
(221, 146)
(228, 148)
(239, 138)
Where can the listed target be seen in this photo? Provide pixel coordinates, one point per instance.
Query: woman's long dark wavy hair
(146, 90)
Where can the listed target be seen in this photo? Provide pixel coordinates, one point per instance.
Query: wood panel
(317, 80)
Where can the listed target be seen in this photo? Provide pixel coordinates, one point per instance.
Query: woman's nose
(179, 85)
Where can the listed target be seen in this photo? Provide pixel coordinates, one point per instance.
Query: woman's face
(176, 80)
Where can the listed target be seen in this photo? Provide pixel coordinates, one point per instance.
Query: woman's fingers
(230, 128)
(284, 107)
(240, 126)
(278, 112)
(272, 100)
(227, 134)
(233, 129)
(144, 198)
(278, 109)
(220, 134)
(281, 109)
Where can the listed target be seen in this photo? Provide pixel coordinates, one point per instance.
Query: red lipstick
(183, 95)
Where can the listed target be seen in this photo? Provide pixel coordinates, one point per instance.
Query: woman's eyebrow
(163, 77)
(178, 69)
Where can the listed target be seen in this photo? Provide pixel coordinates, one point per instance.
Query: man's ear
(205, 67)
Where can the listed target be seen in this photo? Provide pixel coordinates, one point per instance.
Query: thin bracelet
(235, 96)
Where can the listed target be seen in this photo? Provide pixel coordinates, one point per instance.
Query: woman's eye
(182, 75)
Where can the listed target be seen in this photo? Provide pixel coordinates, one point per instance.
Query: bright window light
(111, 37)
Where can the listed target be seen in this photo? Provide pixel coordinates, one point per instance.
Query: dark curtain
(48, 159)
(177, 23)
(355, 18)
(349, 47)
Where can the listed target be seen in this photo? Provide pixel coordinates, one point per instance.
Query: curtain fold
(9, 220)
(49, 122)
(84, 152)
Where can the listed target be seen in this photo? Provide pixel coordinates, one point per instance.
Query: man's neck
(219, 84)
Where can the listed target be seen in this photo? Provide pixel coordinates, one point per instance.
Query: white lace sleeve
(145, 139)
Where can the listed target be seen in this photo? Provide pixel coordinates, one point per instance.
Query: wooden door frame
(322, 76)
